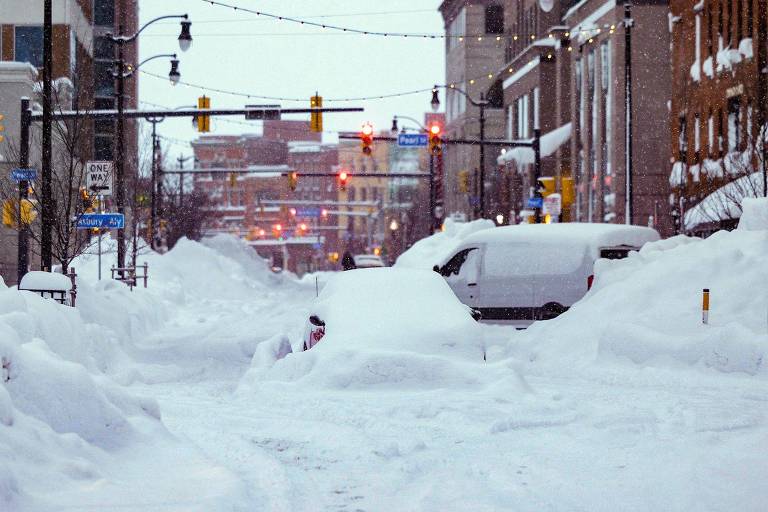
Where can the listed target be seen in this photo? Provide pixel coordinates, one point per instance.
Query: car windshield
(393, 255)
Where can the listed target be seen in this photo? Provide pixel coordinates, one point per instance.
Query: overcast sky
(242, 52)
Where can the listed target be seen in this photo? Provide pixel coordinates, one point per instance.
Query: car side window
(455, 264)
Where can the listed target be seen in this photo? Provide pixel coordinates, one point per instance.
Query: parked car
(520, 274)
(368, 261)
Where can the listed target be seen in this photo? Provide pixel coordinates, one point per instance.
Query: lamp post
(628, 22)
(185, 41)
(481, 104)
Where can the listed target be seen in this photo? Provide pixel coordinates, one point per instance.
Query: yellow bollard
(705, 306)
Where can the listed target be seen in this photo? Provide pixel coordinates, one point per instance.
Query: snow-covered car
(368, 261)
(392, 309)
(520, 274)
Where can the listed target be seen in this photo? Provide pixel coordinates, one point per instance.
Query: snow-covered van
(520, 274)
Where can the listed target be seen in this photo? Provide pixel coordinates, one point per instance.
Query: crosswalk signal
(366, 138)
(435, 142)
(203, 121)
(293, 180)
(343, 177)
(2, 128)
(316, 118)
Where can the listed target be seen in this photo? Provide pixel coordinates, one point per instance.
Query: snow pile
(646, 309)
(385, 327)
(59, 413)
(754, 215)
(435, 249)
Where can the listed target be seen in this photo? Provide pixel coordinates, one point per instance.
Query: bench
(51, 285)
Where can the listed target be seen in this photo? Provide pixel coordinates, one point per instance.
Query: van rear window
(616, 253)
(532, 259)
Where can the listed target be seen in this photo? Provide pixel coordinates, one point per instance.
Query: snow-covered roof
(725, 202)
(569, 233)
(267, 171)
(549, 143)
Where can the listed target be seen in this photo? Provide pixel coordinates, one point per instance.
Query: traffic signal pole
(431, 193)
(23, 243)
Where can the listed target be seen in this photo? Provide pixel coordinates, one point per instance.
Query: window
(696, 134)
(494, 19)
(697, 42)
(734, 123)
(496, 95)
(454, 264)
(510, 122)
(711, 133)
(103, 48)
(104, 13)
(105, 82)
(29, 45)
(456, 29)
(682, 139)
(102, 147)
(522, 117)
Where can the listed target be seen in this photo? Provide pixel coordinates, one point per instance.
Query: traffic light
(302, 229)
(2, 128)
(343, 178)
(435, 142)
(463, 176)
(232, 180)
(277, 230)
(547, 185)
(85, 200)
(366, 138)
(293, 180)
(316, 118)
(203, 121)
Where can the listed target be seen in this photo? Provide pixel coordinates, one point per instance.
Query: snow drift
(646, 309)
(387, 327)
(435, 249)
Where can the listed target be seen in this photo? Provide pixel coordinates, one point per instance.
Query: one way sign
(98, 178)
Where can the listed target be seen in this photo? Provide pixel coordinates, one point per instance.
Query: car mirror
(315, 320)
(436, 268)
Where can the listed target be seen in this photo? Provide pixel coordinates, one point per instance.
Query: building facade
(718, 110)
(474, 52)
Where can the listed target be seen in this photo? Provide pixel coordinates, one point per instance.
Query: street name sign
(23, 174)
(101, 220)
(412, 140)
(535, 202)
(98, 178)
(308, 212)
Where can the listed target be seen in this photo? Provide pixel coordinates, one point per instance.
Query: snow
(191, 394)
(745, 47)
(695, 71)
(677, 175)
(550, 142)
(708, 69)
(754, 216)
(433, 250)
(39, 280)
(724, 203)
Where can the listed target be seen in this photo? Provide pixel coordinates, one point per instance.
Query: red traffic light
(367, 129)
(343, 177)
(302, 227)
(366, 138)
(435, 129)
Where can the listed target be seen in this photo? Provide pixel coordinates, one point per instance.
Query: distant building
(717, 110)
(472, 64)
(256, 203)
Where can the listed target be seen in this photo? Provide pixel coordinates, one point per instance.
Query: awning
(550, 142)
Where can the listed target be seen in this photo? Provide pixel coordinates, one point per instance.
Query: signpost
(101, 220)
(24, 174)
(412, 140)
(553, 204)
(98, 178)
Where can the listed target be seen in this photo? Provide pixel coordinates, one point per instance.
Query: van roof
(591, 234)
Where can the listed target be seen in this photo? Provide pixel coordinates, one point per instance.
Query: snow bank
(646, 309)
(435, 249)
(389, 327)
(754, 215)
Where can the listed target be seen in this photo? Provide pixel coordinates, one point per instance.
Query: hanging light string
(584, 36)
(351, 30)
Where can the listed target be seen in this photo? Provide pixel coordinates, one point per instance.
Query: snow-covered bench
(51, 285)
(131, 275)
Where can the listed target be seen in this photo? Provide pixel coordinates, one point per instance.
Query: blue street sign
(23, 174)
(412, 140)
(101, 220)
(308, 212)
(535, 202)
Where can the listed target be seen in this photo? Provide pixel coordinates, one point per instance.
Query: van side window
(454, 264)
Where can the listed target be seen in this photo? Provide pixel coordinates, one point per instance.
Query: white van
(520, 274)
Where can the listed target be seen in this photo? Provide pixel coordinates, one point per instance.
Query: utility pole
(628, 22)
(761, 53)
(431, 193)
(537, 169)
(23, 249)
(482, 103)
(120, 152)
(154, 184)
(46, 235)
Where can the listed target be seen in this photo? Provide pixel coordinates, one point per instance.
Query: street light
(185, 42)
(481, 104)
(393, 225)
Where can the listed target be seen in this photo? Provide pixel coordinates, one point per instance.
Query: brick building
(471, 65)
(718, 106)
(253, 204)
